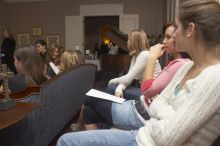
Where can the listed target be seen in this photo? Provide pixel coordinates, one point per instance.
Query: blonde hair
(71, 59)
(138, 42)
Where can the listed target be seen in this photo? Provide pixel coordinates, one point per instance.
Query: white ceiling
(15, 1)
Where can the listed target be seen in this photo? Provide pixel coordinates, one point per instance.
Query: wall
(51, 15)
(3, 17)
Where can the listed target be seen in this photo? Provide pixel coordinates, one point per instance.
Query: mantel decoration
(5, 103)
(37, 31)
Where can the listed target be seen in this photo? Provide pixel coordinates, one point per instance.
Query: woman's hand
(157, 51)
(119, 94)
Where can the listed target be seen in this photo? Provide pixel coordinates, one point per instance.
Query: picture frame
(37, 31)
(53, 39)
(23, 39)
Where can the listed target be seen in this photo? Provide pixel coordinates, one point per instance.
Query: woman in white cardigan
(187, 112)
(138, 46)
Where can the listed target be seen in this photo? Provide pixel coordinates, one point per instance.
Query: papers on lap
(54, 68)
(103, 95)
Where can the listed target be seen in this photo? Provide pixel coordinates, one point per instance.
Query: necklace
(191, 74)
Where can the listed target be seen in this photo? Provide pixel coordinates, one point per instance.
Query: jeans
(124, 116)
(129, 93)
(99, 138)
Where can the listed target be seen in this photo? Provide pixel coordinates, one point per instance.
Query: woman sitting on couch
(70, 59)
(30, 68)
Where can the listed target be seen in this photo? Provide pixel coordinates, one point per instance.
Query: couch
(61, 98)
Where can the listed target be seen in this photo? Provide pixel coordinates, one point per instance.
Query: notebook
(103, 95)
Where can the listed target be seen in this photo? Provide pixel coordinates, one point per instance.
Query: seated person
(41, 47)
(29, 66)
(117, 114)
(55, 53)
(138, 48)
(71, 59)
(187, 112)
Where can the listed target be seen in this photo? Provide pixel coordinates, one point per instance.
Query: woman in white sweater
(138, 46)
(187, 112)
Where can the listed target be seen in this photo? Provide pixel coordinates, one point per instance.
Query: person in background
(30, 68)
(104, 48)
(127, 116)
(55, 53)
(97, 50)
(113, 48)
(71, 59)
(187, 110)
(41, 47)
(7, 48)
(138, 48)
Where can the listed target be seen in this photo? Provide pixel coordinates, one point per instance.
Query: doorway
(94, 32)
(74, 27)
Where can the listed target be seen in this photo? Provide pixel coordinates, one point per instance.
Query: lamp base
(6, 104)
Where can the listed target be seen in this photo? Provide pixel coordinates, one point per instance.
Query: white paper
(54, 68)
(103, 95)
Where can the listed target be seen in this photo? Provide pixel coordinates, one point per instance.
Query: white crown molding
(16, 1)
(101, 9)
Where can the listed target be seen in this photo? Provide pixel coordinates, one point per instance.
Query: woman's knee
(88, 100)
(65, 140)
(89, 115)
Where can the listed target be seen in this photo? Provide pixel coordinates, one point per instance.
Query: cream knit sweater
(136, 71)
(190, 118)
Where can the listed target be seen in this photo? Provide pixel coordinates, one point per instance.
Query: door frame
(99, 10)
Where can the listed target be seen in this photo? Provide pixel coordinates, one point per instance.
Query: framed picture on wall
(53, 39)
(23, 39)
(37, 31)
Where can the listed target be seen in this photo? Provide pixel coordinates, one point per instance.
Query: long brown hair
(138, 42)
(56, 60)
(32, 65)
(183, 54)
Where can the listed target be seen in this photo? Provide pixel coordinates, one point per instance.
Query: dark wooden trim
(16, 114)
(23, 94)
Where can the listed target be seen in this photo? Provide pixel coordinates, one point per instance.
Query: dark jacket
(8, 48)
